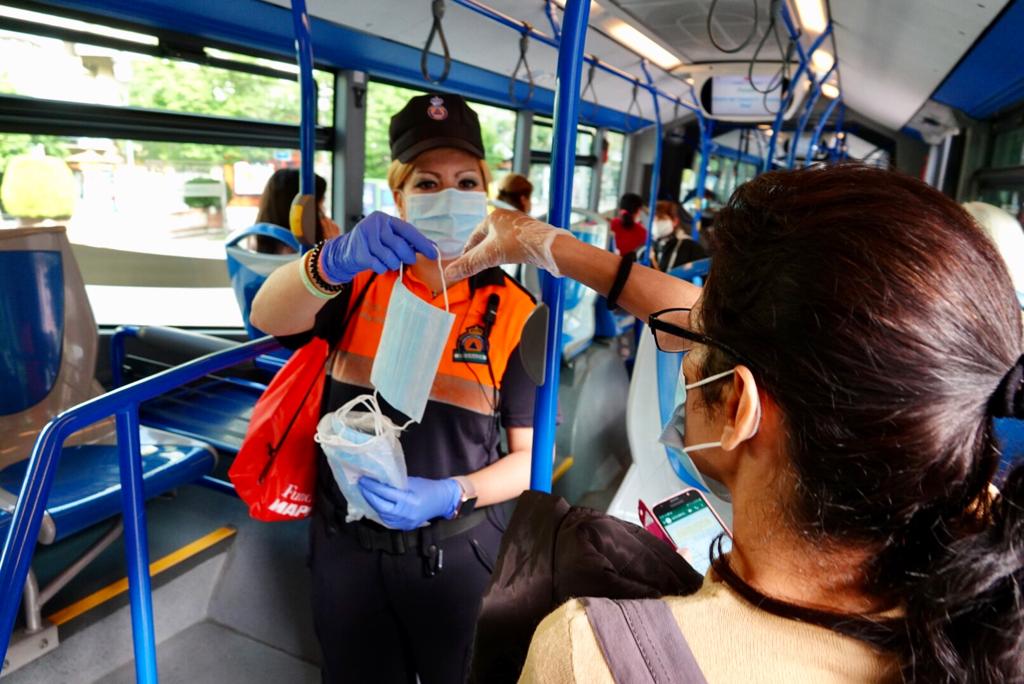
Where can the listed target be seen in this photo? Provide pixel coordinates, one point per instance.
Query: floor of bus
(230, 600)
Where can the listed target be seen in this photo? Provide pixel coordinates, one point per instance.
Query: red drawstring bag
(275, 470)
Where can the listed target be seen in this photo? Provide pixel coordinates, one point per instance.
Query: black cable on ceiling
(744, 43)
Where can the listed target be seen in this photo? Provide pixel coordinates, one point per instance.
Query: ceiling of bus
(892, 55)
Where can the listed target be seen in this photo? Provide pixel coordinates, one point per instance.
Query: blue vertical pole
(707, 128)
(816, 86)
(818, 128)
(307, 95)
(645, 259)
(784, 102)
(133, 505)
(563, 160)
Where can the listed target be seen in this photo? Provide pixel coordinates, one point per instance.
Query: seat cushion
(87, 488)
(214, 411)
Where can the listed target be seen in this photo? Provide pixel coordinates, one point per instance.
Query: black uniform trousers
(380, 618)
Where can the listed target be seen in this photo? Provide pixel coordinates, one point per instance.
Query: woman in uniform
(399, 602)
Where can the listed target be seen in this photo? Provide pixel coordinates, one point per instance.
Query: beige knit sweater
(732, 640)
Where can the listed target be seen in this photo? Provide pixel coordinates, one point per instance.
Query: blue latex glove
(380, 242)
(407, 509)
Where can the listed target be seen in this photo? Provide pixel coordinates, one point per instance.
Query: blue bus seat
(214, 411)
(695, 271)
(248, 269)
(87, 486)
(48, 346)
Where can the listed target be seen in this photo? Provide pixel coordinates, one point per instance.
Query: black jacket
(553, 552)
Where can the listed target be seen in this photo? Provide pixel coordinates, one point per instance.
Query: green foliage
(38, 188)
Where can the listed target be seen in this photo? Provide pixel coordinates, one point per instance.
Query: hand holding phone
(688, 520)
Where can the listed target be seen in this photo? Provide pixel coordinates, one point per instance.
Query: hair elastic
(621, 276)
(1008, 399)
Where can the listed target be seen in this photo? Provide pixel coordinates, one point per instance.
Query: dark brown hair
(629, 204)
(881, 321)
(515, 189)
(276, 202)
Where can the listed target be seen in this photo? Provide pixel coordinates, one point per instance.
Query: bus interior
(135, 142)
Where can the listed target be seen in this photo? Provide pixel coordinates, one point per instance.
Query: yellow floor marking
(155, 568)
(562, 469)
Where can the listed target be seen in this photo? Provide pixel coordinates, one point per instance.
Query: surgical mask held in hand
(358, 444)
(673, 436)
(414, 338)
(447, 217)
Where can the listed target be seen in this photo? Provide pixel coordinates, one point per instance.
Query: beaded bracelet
(308, 283)
(314, 271)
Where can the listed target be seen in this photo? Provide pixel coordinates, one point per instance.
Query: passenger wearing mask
(627, 231)
(841, 375)
(515, 191)
(397, 603)
(674, 247)
(276, 203)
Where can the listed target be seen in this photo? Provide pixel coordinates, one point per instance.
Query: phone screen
(693, 526)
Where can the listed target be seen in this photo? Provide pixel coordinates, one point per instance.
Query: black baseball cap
(434, 120)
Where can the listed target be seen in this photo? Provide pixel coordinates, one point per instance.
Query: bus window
(611, 174)
(540, 165)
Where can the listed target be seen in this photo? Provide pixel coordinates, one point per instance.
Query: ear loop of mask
(444, 283)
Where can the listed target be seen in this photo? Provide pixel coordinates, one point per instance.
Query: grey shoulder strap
(641, 642)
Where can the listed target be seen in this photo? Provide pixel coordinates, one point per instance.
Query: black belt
(374, 537)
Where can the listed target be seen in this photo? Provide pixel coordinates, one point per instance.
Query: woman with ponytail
(628, 232)
(856, 338)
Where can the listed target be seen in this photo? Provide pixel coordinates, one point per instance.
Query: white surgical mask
(662, 228)
(414, 338)
(446, 217)
(674, 437)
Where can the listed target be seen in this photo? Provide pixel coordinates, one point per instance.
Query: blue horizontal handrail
(122, 403)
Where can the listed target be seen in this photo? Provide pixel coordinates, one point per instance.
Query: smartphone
(689, 521)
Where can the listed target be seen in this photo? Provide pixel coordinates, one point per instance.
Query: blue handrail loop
(122, 403)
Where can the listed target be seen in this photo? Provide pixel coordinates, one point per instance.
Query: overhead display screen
(735, 96)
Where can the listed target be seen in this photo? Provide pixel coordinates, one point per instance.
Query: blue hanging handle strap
(436, 29)
(302, 217)
(524, 43)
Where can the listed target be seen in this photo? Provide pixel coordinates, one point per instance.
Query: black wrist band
(314, 271)
(621, 276)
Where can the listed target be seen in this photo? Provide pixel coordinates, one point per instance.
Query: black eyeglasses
(672, 334)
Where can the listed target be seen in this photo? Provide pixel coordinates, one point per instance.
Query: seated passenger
(275, 205)
(515, 190)
(843, 371)
(397, 603)
(628, 233)
(675, 247)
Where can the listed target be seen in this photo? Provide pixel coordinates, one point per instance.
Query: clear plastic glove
(407, 509)
(379, 242)
(507, 237)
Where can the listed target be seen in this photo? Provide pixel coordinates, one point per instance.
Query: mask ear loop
(444, 284)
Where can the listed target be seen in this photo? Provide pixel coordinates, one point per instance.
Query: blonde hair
(1005, 232)
(399, 172)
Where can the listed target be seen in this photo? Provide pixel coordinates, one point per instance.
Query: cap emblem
(436, 110)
